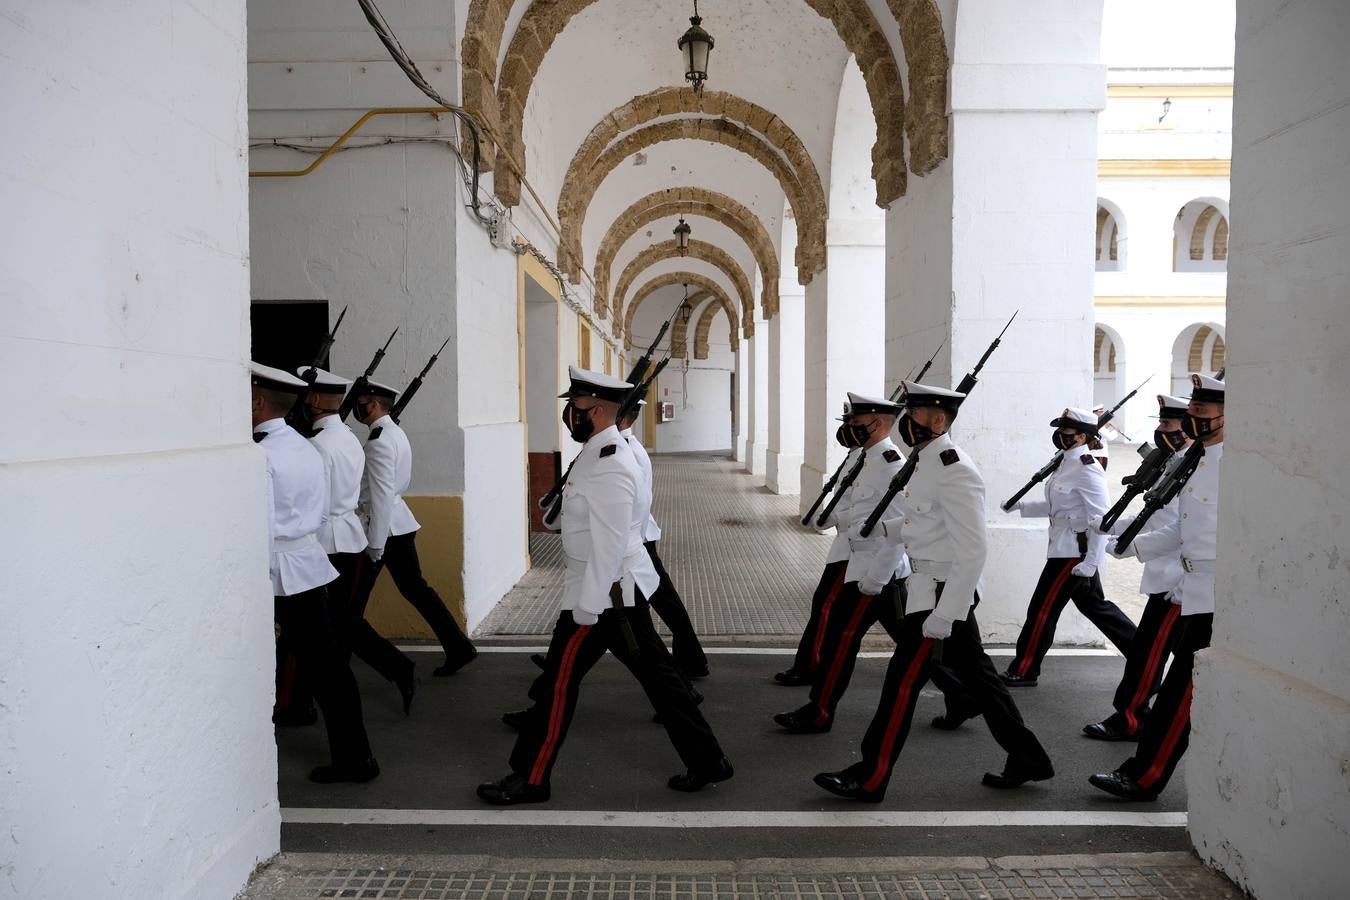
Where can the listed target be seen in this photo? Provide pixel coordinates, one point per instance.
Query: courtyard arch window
(1200, 237)
(1110, 237)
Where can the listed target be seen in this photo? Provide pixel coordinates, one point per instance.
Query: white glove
(1014, 508)
(1173, 599)
(870, 588)
(1127, 553)
(936, 627)
(855, 531)
(1095, 523)
(1085, 570)
(581, 617)
(375, 553)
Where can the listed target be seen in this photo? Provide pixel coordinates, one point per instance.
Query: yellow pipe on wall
(333, 148)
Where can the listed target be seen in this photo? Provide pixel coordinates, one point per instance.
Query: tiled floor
(1175, 876)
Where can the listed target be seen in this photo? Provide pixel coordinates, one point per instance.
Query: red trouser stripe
(559, 708)
(1155, 657)
(846, 641)
(825, 617)
(898, 714)
(1169, 744)
(1043, 614)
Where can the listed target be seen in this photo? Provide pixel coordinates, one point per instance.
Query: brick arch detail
(806, 199)
(679, 332)
(697, 280)
(704, 326)
(701, 250)
(921, 31)
(697, 202)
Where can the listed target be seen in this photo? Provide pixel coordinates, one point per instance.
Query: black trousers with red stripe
(822, 601)
(665, 600)
(909, 669)
(311, 624)
(853, 613)
(573, 651)
(400, 558)
(1145, 662)
(1167, 732)
(359, 574)
(1056, 587)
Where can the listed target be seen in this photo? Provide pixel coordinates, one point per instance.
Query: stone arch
(1198, 348)
(807, 200)
(1112, 241)
(698, 202)
(694, 278)
(702, 250)
(1200, 236)
(1108, 365)
(921, 34)
(704, 327)
(679, 332)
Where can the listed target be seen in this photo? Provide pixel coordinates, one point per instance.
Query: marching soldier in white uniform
(608, 573)
(684, 642)
(1075, 494)
(391, 533)
(1191, 538)
(343, 537)
(1157, 630)
(943, 529)
(309, 618)
(873, 589)
(811, 645)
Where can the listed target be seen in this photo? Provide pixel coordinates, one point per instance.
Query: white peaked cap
(326, 382)
(275, 379)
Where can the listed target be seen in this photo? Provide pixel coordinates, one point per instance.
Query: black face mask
(852, 435)
(1196, 428)
(1064, 441)
(912, 433)
(578, 422)
(1169, 440)
(841, 436)
(362, 411)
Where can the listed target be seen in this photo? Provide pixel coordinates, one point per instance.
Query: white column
(758, 402)
(136, 658)
(786, 380)
(1006, 225)
(740, 437)
(1270, 718)
(845, 349)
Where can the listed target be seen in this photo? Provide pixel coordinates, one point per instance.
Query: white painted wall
(1266, 771)
(142, 539)
(757, 383)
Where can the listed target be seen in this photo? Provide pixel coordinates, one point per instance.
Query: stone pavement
(1157, 875)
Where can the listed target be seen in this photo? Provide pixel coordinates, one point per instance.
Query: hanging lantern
(686, 311)
(682, 232)
(696, 45)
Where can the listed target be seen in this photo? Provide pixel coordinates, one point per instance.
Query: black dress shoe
(801, 721)
(454, 665)
(1122, 785)
(1012, 680)
(295, 718)
(511, 790)
(1106, 730)
(692, 781)
(539, 660)
(358, 772)
(407, 687)
(1016, 774)
(842, 784)
(515, 719)
(792, 678)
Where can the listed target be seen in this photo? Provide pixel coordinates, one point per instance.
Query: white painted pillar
(1006, 224)
(758, 402)
(786, 380)
(740, 437)
(1270, 719)
(845, 349)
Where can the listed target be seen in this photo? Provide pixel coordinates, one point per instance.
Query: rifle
(359, 385)
(1143, 479)
(1166, 489)
(408, 392)
(1049, 468)
(844, 485)
(296, 417)
(900, 388)
(972, 378)
(825, 491)
(1164, 492)
(901, 478)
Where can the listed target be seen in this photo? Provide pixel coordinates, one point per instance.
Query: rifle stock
(362, 380)
(898, 482)
(825, 491)
(1143, 479)
(1043, 473)
(1163, 493)
(296, 417)
(844, 485)
(415, 385)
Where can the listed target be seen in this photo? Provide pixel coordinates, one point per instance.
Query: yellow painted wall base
(440, 547)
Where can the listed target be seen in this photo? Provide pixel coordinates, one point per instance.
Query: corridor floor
(613, 830)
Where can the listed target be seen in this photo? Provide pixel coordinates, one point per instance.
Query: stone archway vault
(702, 282)
(701, 250)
